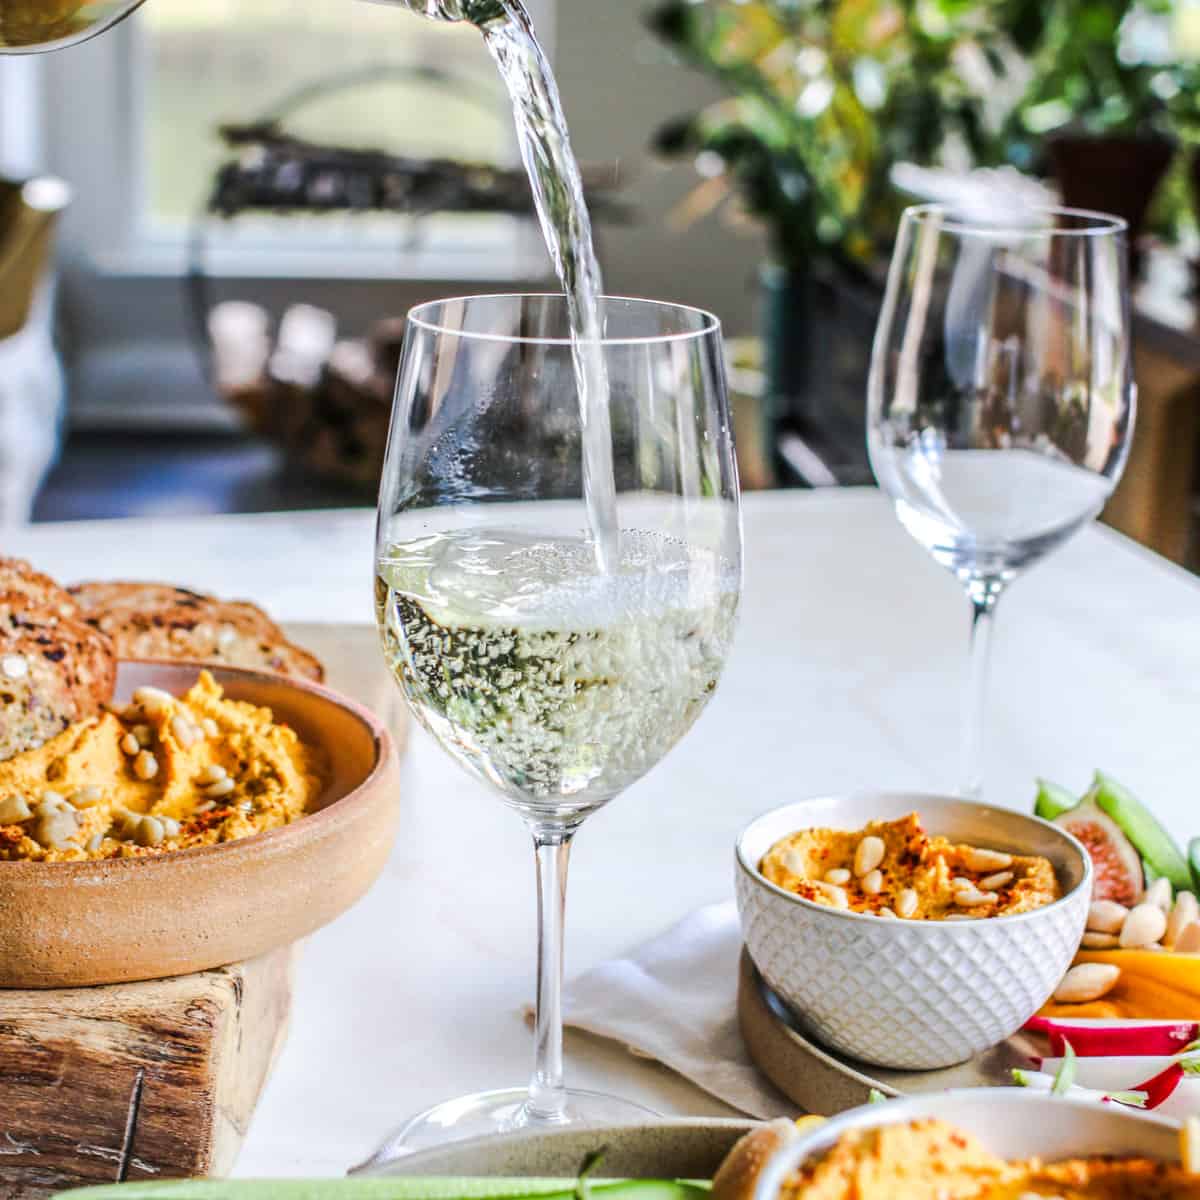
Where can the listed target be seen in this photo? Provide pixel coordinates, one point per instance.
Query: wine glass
(554, 680)
(1000, 399)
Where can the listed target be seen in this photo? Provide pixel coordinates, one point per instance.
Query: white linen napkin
(674, 999)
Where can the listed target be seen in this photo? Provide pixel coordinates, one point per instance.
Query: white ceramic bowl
(911, 994)
(1010, 1122)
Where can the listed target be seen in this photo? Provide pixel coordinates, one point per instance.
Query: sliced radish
(1100, 1041)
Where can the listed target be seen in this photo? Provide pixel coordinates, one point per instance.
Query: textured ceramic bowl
(1010, 1122)
(74, 924)
(685, 1148)
(911, 994)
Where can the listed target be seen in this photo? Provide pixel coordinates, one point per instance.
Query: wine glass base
(503, 1111)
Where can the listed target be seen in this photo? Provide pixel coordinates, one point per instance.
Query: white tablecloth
(846, 674)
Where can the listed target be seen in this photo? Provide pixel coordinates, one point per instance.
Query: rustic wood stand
(136, 1081)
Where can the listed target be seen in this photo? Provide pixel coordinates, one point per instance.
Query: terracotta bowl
(76, 924)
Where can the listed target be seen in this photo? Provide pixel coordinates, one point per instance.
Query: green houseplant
(823, 98)
(1095, 111)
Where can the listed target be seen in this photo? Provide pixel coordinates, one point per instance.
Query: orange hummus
(907, 873)
(931, 1160)
(165, 773)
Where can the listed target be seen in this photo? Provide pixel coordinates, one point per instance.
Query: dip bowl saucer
(912, 994)
(74, 924)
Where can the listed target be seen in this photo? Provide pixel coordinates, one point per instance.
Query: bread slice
(17, 576)
(54, 670)
(159, 620)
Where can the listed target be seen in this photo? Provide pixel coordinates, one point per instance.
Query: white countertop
(846, 674)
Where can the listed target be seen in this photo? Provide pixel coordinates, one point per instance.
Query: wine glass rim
(1100, 223)
(709, 325)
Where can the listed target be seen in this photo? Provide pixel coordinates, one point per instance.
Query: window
(341, 72)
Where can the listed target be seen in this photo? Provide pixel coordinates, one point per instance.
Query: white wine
(558, 683)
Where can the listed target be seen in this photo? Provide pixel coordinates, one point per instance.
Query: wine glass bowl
(555, 674)
(1000, 395)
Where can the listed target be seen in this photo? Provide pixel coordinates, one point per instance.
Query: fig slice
(1117, 866)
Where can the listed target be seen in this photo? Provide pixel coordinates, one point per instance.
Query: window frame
(106, 226)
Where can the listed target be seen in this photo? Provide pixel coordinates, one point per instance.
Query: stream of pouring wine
(562, 213)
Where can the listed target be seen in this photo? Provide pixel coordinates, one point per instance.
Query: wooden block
(136, 1081)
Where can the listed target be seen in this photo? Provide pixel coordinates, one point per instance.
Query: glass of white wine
(1000, 399)
(555, 592)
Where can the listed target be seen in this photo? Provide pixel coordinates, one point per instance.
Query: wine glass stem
(547, 1096)
(983, 594)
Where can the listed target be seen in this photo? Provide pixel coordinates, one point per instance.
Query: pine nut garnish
(186, 734)
(887, 913)
(838, 875)
(14, 666)
(973, 897)
(872, 882)
(869, 855)
(152, 700)
(14, 810)
(85, 797)
(993, 883)
(130, 745)
(94, 842)
(906, 903)
(210, 727)
(207, 806)
(54, 828)
(145, 766)
(170, 826)
(959, 917)
(975, 859)
(149, 832)
(51, 800)
(961, 881)
(144, 735)
(836, 895)
(222, 787)
(213, 773)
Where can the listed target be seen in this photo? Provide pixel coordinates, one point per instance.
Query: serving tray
(822, 1081)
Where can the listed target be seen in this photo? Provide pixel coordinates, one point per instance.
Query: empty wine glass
(1000, 399)
(556, 681)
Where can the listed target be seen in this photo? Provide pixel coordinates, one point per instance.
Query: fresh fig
(1117, 866)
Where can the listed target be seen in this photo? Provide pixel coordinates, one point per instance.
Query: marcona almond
(1159, 892)
(1087, 981)
(1188, 941)
(1186, 911)
(973, 897)
(1144, 926)
(1099, 941)
(1106, 916)
(869, 855)
(975, 859)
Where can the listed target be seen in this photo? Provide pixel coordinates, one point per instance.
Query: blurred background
(215, 216)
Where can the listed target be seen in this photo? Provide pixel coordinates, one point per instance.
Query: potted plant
(1095, 111)
(823, 98)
